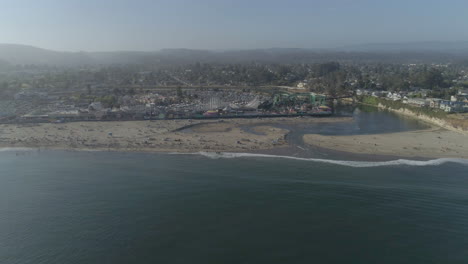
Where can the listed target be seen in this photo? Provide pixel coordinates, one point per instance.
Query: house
(95, 106)
(434, 102)
(379, 93)
(460, 107)
(455, 107)
(418, 102)
(452, 107)
(463, 92)
(394, 96)
(362, 92)
(415, 91)
(444, 104)
(301, 85)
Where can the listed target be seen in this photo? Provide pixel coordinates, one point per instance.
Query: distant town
(39, 93)
(189, 101)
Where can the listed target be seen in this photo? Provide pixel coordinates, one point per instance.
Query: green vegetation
(435, 113)
(333, 78)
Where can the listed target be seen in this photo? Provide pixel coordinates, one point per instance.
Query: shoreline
(254, 136)
(156, 136)
(447, 123)
(356, 163)
(429, 143)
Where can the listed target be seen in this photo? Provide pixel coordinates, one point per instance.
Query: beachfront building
(418, 102)
(95, 106)
(463, 92)
(434, 102)
(453, 107)
(379, 93)
(302, 85)
(444, 104)
(394, 96)
(362, 92)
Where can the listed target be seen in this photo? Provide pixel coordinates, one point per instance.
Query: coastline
(453, 124)
(254, 136)
(429, 143)
(446, 124)
(185, 136)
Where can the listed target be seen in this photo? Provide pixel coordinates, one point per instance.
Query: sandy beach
(154, 136)
(430, 143)
(228, 135)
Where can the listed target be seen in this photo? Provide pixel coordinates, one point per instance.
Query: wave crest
(355, 164)
(16, 149)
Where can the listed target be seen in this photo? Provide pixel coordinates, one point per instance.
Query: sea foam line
(355, 164)
(19, 149)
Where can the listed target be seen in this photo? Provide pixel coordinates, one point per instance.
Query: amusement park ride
(291, 99)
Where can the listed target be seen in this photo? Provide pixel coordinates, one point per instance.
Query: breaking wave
(356, 164)
(16, 149)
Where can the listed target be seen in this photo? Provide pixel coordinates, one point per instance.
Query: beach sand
(154, 136)
(430, 143)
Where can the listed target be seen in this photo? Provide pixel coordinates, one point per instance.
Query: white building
(95, 106)
(463, 92)
(301, 85)
(394, 96)
(418, 102)
(434, 102)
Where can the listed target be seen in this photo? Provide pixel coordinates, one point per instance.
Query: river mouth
(365, 120)
(348, 120)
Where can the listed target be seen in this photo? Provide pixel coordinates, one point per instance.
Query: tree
(180, 94)
(325, 68)
(433, 78)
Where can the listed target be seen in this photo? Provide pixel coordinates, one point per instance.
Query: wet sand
(268, 136)
(430, 143)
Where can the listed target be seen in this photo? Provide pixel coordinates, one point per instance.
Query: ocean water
(99, 207)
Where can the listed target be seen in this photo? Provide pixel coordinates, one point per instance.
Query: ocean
(104, 207)
(98, 207)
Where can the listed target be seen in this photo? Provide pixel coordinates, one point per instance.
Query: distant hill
(22, 54)
(390, 53)
(4, 65)
(428, 46)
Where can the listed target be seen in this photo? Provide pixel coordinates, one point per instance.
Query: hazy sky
(100, 25)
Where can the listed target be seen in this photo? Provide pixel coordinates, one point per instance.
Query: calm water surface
(98, 207)
(58, 207)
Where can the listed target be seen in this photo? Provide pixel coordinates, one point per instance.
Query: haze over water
(137, 208)
(100, 207)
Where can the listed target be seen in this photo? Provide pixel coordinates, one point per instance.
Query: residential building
(463, 92)
(434, 102)
(418, 102)
(394, 96)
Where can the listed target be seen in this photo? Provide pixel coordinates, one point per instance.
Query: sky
(149, 25)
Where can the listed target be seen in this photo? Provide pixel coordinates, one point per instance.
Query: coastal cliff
(452, 122)
(456, 125)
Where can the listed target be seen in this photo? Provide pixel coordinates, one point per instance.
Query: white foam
(16, 149)
(356, 164)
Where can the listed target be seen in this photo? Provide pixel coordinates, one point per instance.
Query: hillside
(375, 53)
